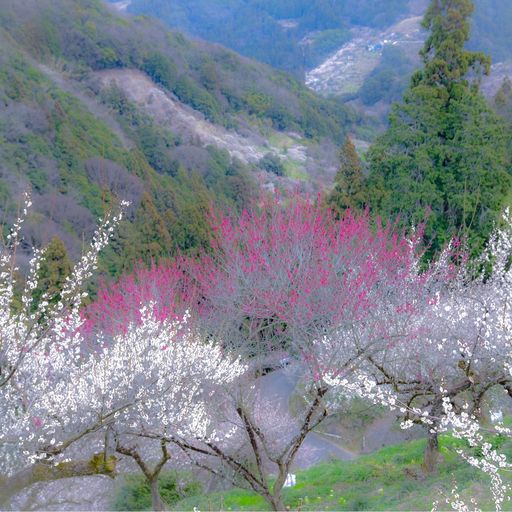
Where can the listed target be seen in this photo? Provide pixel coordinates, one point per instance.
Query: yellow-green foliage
(101, 465)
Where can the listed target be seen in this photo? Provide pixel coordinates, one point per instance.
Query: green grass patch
(135, 493)
(391, 479)
(294, 169)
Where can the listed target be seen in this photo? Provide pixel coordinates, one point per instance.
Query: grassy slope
(390, 479)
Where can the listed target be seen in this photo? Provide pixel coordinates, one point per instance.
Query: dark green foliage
(275, 31)
(170, 215)
(161, 69)
(200, 99)
(389, 79)
(48, 133)
(55, 268)
(272, 163)
(350, 187)
(155, 142)
(445, 154)
(135, 493)
(446, 62)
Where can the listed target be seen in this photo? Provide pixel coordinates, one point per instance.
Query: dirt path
(277, 388)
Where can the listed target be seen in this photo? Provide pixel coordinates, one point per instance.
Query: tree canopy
(445, 154)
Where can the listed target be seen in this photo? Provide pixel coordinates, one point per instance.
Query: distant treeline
(293, 35)
(296, 35)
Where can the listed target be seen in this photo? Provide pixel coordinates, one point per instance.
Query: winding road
(276, 389)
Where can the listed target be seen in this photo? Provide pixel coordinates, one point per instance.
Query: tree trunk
(41, 472)
(157, 503)
(276, 502)
(276, 499)
(431, 455)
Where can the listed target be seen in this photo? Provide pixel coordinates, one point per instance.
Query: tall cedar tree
(55, 268)
(445, 153)
(350, 187)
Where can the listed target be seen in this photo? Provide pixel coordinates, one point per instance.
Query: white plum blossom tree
(38, 343)
(66, 394)
(462, 350)
(479, 312)
(159, 378)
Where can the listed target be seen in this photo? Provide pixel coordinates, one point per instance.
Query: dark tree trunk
(157, 503)
(275, 501)
(151, 476)
(431, 455)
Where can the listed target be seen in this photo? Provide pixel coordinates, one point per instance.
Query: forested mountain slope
(296, 35)
(96, 107)
(293, 35)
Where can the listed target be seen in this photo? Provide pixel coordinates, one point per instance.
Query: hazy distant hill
(297, 35)
(293, 35)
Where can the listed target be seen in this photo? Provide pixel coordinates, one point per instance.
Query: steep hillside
(96, 106)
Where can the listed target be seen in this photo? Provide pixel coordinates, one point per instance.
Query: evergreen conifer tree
(445, 154)
(350, 187)
(55, 268)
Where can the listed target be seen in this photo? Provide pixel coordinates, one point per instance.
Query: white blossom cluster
(490, 461)
(40, 343)
(454, 350)
(480, 315)
(59, 388)
(24, 329)
(156, 375)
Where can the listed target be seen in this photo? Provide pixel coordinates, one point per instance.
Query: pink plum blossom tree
(288, 280)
